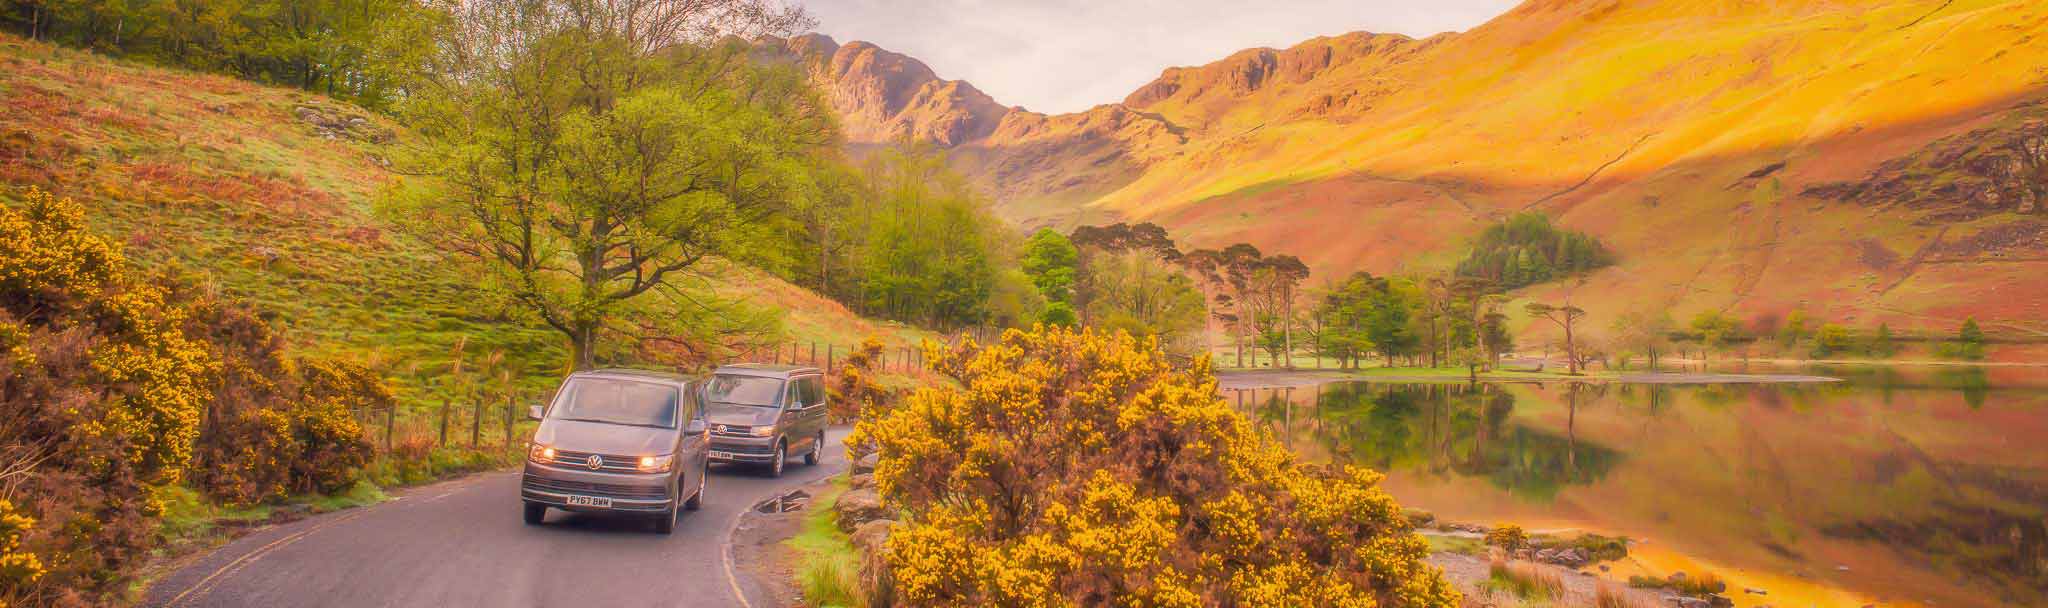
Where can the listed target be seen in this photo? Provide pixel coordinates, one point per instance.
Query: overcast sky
(1068, 55)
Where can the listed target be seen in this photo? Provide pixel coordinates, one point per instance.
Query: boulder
(857, 507)
(870, 536)
(863, 480)
(865, 464)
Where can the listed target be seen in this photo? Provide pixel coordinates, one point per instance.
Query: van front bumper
(743, 449)
(552, 486)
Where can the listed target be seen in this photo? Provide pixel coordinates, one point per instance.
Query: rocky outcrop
(1996, 169)
(341, 123)
(883, 96)
(1253, 70)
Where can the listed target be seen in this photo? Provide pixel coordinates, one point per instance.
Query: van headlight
(541, 454)
(657, 464)
(766, 430)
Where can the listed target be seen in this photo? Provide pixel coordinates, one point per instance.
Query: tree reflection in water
(1440, 429)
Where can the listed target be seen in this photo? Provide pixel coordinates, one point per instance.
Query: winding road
(461, 543)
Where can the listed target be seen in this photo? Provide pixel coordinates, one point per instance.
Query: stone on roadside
(857, 507)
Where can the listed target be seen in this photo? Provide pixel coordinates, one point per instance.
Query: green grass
(828, 566)
(1462, 545)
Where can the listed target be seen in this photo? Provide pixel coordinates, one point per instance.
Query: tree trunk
(584, 344)
(1571, 349)
(1287, 326)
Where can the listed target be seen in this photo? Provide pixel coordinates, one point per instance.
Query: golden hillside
(1868, 160)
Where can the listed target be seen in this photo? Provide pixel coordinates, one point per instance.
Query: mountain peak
(883, 95)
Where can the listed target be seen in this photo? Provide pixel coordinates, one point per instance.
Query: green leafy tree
(1137, 292)
(1566, 317)
(1527, 249)
(1714, 329)
(1051, 262)
(1795, 329)
(1969, 342)
(1646, 332)
(931, 252)
(589, 154)
(1832, 339)
(1882, 345)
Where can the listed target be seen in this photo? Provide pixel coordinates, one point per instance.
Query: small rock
(866, 464)
(863, 480)
(1754, 591)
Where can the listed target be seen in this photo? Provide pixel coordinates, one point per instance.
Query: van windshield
(744, 390)
(616, 401)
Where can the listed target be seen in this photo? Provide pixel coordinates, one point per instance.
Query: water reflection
(1927, 487)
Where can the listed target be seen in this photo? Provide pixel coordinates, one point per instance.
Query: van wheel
(696, 501)
(781, 454)
(536, 514)
(666, 524)
(817, 447)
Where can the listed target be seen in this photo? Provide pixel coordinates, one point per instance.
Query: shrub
(122, 387)
(1508, 537)
(1082, 468)
(17, 568)
(853, 383)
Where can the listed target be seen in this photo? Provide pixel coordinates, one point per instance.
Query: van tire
(817, 449)
(781, 455)
(666, 524)
(536, 514)
(696, 501)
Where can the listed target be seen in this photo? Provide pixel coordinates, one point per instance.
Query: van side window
(814, 390)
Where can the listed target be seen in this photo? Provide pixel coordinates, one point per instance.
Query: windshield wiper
(617, 422)
(717, 402)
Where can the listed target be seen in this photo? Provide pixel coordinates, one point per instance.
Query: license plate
(722, 455)
(590, 501)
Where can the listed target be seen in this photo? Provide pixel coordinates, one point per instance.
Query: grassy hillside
(1735, 155)
(268, 194)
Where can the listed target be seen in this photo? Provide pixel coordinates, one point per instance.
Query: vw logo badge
(595, 462)
(721, 428)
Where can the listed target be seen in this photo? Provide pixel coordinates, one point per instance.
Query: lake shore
(1281, 378)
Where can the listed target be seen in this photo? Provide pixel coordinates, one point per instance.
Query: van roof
(766, 370)
(636, 374)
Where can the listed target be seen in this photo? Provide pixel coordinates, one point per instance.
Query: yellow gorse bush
(123, 385)
(17, 567)
(1077, 468)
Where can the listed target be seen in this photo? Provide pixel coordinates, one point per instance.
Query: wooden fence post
(828, 357)
(814, 352)
(390, 426)
(476, 422)
(511, 404)
(445, 404)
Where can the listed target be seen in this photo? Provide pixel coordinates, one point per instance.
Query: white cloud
(1069, 55)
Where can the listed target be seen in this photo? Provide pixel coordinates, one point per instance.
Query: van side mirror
(535, 411)
(696, 427)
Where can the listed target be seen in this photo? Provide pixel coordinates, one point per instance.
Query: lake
(1921, 486)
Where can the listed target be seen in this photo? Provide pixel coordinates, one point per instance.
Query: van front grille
(611, 463)
(608, 490)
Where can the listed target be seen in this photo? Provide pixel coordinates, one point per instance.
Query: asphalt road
(461, 543)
